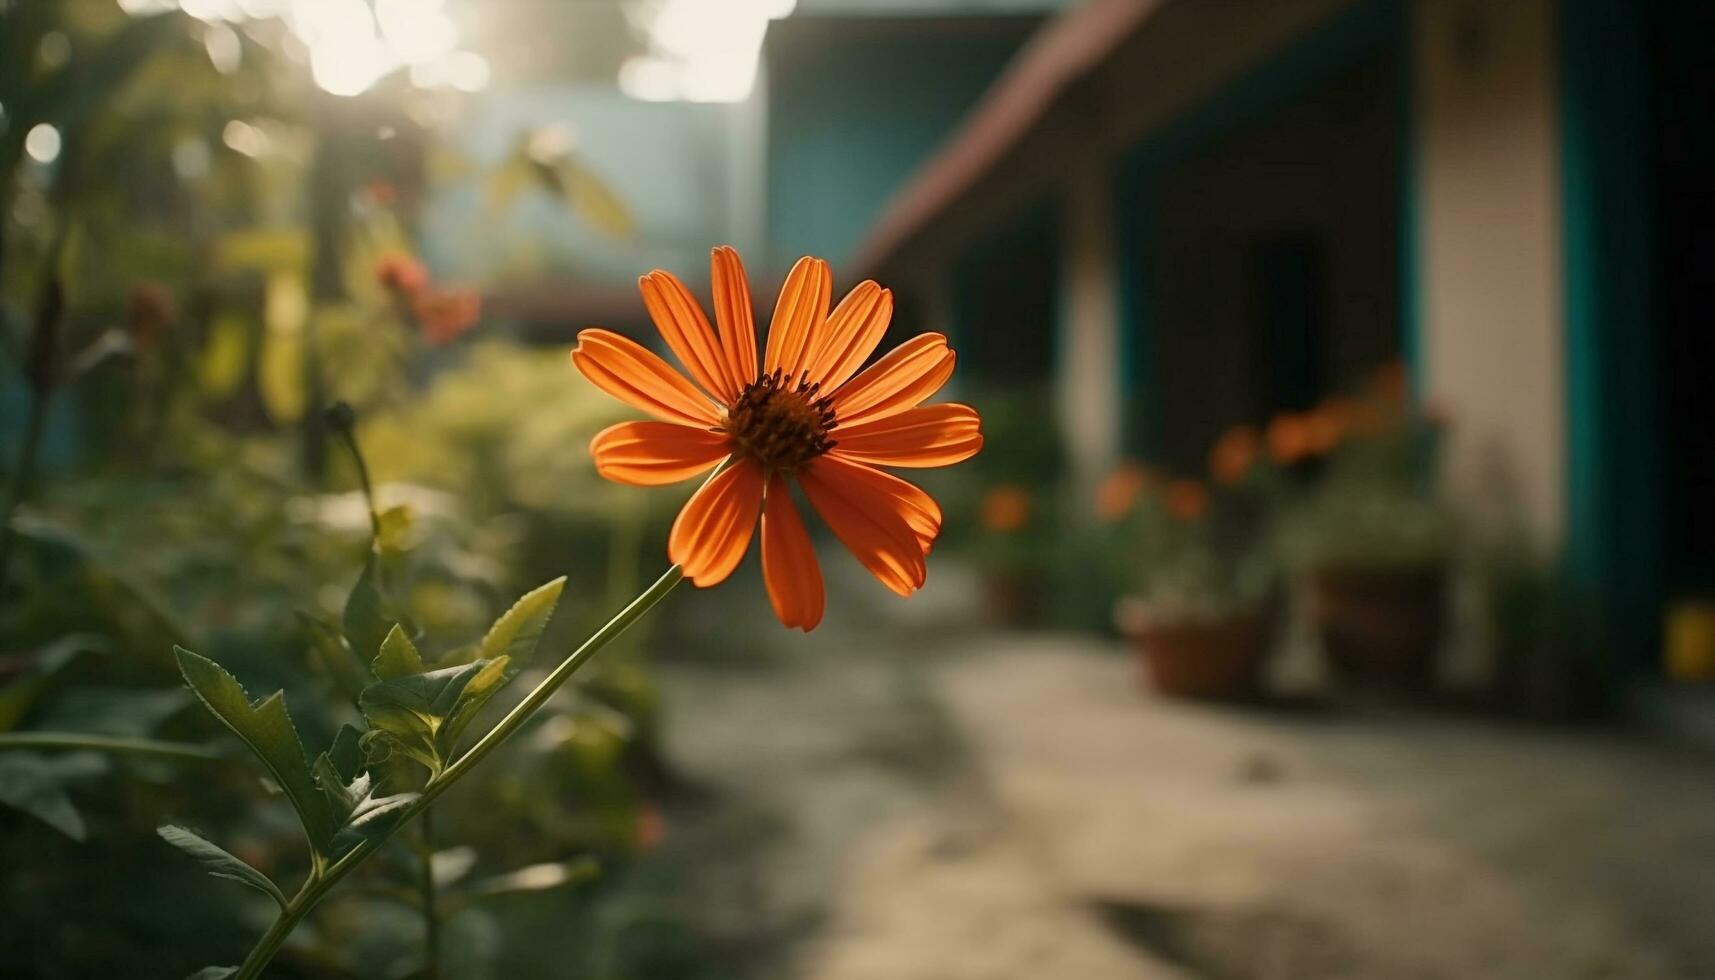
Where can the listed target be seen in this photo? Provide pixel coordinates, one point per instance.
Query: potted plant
(1202, 613)
(1373, 542)
(1012, 548)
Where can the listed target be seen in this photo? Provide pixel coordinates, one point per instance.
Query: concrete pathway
(947, 806)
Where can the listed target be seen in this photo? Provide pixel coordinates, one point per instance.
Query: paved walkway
(1016, 807)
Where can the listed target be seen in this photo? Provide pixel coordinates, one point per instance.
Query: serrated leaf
(266, 728)
(398, 657)
(481, 689)
(344, 754)
(431, 695)
(219, 862)
(375, 817)
(29, 784)
(406, 714)
(518, 631)
(365, 621)
(338, 772)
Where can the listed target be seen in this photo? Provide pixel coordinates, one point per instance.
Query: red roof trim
(1066, 50)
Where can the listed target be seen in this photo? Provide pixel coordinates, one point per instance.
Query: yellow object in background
(1690, 640)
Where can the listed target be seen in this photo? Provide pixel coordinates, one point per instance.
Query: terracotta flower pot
(1215, 658)
(1381, 628)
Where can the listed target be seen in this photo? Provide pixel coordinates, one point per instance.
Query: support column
(1493, 333)
(1087, 376)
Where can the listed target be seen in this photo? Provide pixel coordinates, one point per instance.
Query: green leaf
(534, 878)
(119, 711)
(338, 772)
(407, 713)
(345, 756)
(395, 528)
(18, 695)
(219, 862)
(398, 656)
(482, 687)
(516, 633)
(366, 624)
(35, 786)
(376, 816)
(266, 728)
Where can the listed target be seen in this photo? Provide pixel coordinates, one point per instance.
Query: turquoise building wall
(852, 114)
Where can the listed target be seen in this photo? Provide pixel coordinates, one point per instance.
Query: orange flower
(1187, 500)
(444, 314)
(1118, 491)
(1005, 509)
(1233, 455)
(1324, 428)
(800, 411)
(401, 275)
(1288, 439)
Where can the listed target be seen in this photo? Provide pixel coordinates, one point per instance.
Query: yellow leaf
(222, 362)
(263, 249)
(597, 204)
(281, 375)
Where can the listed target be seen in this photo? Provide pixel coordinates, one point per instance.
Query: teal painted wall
(852, 114)
(1614, 431)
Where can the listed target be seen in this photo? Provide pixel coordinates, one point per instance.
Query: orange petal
(853, 330)
(932, 435)
(711, 534)
(920, 511)
(733, 312)
(799, 314)
(687, 332)
(869, 522)
(789, 566)
(651, 454)
(905, 377)
(626, 370)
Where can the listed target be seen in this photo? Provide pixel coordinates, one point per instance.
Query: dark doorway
(1682, 34)
(1270, 265)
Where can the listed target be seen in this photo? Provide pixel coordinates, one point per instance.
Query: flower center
(781, 424)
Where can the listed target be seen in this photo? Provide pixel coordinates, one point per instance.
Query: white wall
(1492, 324)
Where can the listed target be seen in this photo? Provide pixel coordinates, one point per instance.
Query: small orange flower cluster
(442, 313)
(1005, 508)
(1187, 500)
(1296, 437)
(1119, 491)
(1233, 455)
(401, 275)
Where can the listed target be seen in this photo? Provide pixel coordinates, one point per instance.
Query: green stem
(431, 908)
(19, 486)
(322, 880)
(350, 439)
(76, 741)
